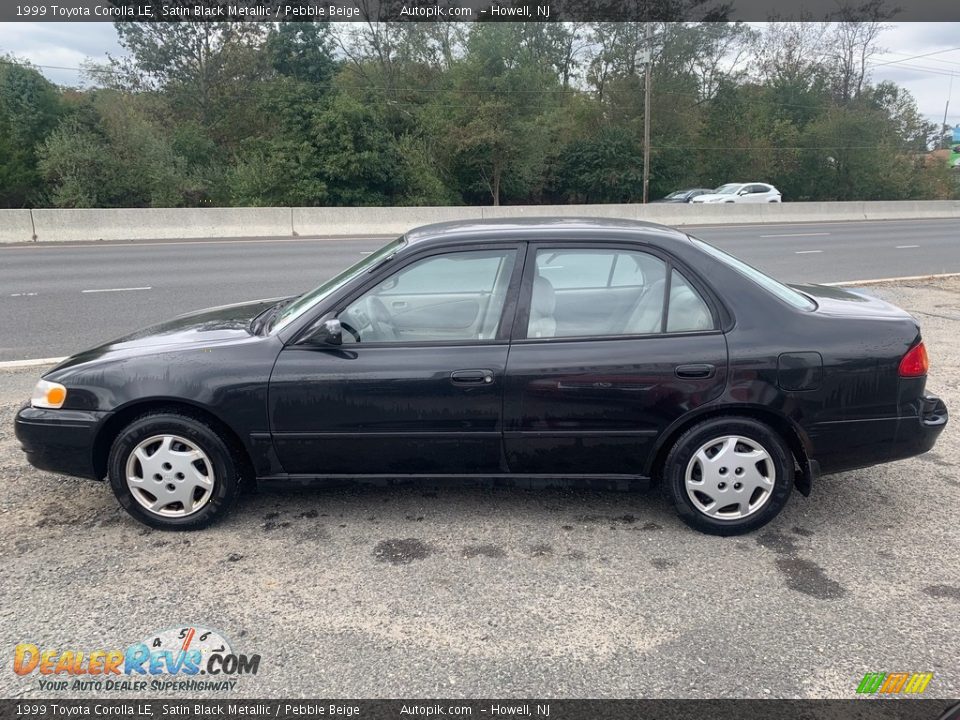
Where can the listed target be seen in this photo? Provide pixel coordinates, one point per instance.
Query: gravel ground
(420, 591)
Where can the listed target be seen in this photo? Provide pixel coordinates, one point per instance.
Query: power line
(480, 91)
(922, 68)
(914, 57)
(772, 148)
(559, 91)
(509, 91)
(938, 60)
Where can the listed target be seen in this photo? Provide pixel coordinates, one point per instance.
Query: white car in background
(741, 193)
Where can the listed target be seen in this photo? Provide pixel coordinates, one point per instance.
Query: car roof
(542, 228)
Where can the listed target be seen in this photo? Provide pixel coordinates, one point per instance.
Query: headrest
(544, 299)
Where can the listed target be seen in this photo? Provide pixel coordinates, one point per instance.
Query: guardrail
(52, 225)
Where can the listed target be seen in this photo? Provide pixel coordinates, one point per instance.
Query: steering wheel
(380, 319)
(351, 330)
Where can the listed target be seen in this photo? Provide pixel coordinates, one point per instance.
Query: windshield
(677, 194)
(729, 189)
(798, 300)
(308, 300)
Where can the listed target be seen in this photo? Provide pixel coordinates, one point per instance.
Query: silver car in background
(741, 193)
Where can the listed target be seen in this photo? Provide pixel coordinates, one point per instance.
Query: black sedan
(611, 353)
(684, 196)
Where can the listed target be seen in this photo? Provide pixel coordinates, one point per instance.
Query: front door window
(455, 297)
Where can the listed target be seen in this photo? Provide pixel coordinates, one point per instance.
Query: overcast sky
(928, 78)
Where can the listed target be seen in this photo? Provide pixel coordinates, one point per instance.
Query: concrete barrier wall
(159, 223)
(51, 225)
(374, 220)
(15, 226)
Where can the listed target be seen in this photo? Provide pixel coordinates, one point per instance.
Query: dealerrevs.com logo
(175, 659)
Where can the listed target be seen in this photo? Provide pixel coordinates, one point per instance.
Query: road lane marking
(17, 364)
(806, 252)
(902, 278)
(906, 247)
(813, 223)
(796, 235)
(100, 290)
(22, 294)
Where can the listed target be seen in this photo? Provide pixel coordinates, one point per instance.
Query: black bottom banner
(862, 709)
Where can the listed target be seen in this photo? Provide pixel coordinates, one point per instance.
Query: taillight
(915, 363)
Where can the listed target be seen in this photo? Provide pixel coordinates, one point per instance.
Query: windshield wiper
(266, 316)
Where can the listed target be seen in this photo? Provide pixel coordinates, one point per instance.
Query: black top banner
(481, 10)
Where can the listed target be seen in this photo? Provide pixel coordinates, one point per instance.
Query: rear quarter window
(785, 293)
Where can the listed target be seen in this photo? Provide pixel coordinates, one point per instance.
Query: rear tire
(729, 475)
(172, 471)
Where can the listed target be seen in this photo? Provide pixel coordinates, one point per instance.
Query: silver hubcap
(730, 477)
(170, 476)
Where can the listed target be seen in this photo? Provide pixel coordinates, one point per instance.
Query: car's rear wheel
(172, 471)
(729, 475)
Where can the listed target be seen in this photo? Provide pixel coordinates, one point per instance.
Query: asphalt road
(452, 592)
(59, 299)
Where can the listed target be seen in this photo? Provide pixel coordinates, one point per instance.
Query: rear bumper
(918, 434)
(59, 441)
(840, 446)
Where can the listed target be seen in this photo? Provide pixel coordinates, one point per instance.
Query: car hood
(850, 302)
(213, 325)
(712, 197)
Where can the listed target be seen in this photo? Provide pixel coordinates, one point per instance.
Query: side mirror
(325, 332)
(743, 192)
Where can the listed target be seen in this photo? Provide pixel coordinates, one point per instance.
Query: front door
(416, 387)
(612, 344)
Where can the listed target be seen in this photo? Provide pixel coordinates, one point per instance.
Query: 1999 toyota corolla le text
(609, 352)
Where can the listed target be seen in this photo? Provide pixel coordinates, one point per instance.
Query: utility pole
(946, 109)
(646, 113)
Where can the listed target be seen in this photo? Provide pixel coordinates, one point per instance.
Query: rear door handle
(471, 377)
(699, 370)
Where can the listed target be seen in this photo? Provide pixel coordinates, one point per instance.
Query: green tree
(503, 90)
(204, 69)
(112, 154)
(606, 167)
(30, 107)
(303, 51)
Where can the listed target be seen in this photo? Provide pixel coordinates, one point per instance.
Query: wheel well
(779, 423)
(119, 420)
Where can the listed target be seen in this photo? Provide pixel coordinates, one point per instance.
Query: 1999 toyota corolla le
(610, 352)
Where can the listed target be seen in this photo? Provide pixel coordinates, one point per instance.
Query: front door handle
(698, 370)
(471, 377)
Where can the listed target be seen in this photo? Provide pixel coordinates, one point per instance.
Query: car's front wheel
(173, 471)
(729, 475)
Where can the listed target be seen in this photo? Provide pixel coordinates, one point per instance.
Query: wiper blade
(267, 314)
(273, 312)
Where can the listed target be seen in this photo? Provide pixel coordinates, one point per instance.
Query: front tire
(729, 475)
(172, 471)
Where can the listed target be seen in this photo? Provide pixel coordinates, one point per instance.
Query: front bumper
(59, 441)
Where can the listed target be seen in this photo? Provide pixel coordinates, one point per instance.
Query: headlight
(48, 395)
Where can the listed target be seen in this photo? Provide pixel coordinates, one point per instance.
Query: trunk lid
(848, 302)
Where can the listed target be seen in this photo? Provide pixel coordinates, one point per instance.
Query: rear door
(597, 371)
(759, 193)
